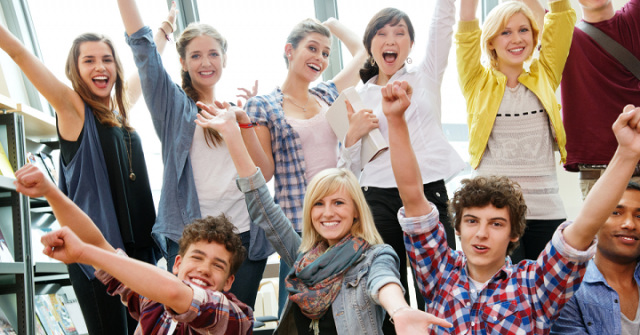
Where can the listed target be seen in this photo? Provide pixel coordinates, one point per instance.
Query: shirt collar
(593, 274)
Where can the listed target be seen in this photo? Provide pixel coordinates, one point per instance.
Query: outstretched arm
(134, 91)
(407, 320)
(31, 182)
(349, 76)
(608, 190)
(395, 102)
(165, 288)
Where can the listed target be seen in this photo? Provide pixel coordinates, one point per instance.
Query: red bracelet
(167, 36)
(245, 125)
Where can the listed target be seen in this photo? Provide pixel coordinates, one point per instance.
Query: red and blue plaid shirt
(520, 299)
(211, 312)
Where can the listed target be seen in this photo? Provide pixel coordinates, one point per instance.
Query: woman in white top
(388, 39)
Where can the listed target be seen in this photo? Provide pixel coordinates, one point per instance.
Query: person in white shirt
(388, 39)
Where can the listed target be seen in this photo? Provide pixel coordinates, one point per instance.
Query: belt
(594, 171)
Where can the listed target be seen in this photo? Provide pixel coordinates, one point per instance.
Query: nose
(483, 231)
(629, 222)
(328, 211)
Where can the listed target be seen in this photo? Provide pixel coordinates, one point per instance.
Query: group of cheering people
(342, 227)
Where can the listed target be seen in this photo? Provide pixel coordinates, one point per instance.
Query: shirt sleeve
(570, 321)
(468, 54)
(213, 311)
(349, 158)
(429, 253)
(256, 110)
(384, 270)
(439, 41)
(556, 39)
(327, 91)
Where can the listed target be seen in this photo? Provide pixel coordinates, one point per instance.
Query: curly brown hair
(214, 229)
(498, 191)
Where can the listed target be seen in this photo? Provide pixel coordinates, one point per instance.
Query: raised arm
(608, 190)
(67, 103)
(538, 11)
(439, 41)
(349, 76)
(468, 9)
(130, 16)
(31, 182)
(395, 102)
(134, 91)
(556, 39)
(262, 155)
(468, 51)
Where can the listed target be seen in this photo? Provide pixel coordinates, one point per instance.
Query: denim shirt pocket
(504, 315)
(356, 287)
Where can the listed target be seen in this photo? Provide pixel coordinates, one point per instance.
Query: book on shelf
(5, 326)
(37, 246)
(373, 144)
(47, 314)
(5, 253)
(44, 162)
(39, 327)
(5, 166)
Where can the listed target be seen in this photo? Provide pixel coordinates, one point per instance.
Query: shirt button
(473, 324)
(473, 291)
(616, 301)
(468, 304)
(366, 188)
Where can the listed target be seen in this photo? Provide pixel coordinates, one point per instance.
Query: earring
(373, 62)
(409, 60)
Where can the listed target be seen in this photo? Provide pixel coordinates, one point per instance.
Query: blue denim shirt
(356, 309)
(173, 114)
(594, 309)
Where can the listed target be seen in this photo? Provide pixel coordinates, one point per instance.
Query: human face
(390, 47)
(205, 264)
(333, 215)
(619, 238)
(514, 44)
(311, 57)
(204, 61)
(485, 233)
(97, 68)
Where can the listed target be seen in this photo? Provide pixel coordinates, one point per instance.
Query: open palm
(221, 120)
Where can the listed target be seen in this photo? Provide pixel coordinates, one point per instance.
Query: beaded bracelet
(167, 36)
(394, 313)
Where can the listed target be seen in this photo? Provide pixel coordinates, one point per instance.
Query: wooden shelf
(12, 268)
(6, 183)
(37, 125)
(6, 103)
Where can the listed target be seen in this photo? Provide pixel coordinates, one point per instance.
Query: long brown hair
(103, 112)
(388, 15)
(192, 31)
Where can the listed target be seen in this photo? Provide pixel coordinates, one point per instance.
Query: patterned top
(211, 312)
(290, 184)
(520, 299)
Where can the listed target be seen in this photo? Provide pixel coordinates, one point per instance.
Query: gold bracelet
(395, 311)
(173, 26)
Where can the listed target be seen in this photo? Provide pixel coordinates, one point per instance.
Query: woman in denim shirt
(342, 275)
(197, 179)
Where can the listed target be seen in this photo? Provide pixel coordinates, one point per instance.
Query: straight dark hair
(386, 16)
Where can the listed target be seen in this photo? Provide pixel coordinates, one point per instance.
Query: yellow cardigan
(483, 88)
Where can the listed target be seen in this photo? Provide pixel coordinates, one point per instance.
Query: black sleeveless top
(132, 199)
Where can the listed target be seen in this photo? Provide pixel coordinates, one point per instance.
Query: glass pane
(56, 33)
(256, 31)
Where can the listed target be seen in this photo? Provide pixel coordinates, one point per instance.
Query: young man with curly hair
(477, 289)
(196, 301)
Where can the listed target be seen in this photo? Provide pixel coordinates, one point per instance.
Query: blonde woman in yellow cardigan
(513, 116)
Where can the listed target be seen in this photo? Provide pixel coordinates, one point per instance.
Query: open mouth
(390, 56)
(330, 223)
(627, 238)
(101, 81)
(480, 248)
(314, 67)
(207, 74)
(517, 51)
(199, 282)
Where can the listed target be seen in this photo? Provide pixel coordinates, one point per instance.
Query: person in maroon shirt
(595, 87)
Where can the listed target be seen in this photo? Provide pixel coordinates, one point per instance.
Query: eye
(505, 33)
(471, 221)
(108, 60)
(318, 203)
(195, 56)
(497, 224)
(615, 213)
(196, 257)
(380, 33)
(219, 266)
(339, 202)
(312, 49)
(214, 54)
(325, 55)
(400, 33)
(88, 61)
(524, 30)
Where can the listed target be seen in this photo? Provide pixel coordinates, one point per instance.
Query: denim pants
(384, 204)
(105, 314)
(247, 279)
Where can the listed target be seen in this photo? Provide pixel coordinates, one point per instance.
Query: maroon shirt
(596, 87)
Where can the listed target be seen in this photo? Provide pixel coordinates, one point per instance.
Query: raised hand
(31, 182)
(248, 94)
(63, 245)
(409, 321)
(396, 98)
(171, 16)
(627, 130)
(222, 120)
(360, 124)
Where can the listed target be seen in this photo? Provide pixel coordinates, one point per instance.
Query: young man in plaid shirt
(194, 302)
(477, 289)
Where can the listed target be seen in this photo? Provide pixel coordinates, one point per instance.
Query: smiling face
(619, 238)
(514, 44)
(205, 264)
(311, 57)
(97, 68)
(332, 216)
(485, 233)
(390, 47)
(204, 60)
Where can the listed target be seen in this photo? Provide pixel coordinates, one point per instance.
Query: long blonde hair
(104, 113)
(192, 31)
(497, 20)
(326, 183)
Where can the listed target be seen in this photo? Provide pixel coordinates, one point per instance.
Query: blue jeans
(245, 286)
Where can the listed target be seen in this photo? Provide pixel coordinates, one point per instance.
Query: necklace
(132, 175)
(304, 108)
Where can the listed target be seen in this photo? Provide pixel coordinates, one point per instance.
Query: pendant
(304, 109)
(132, 176)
